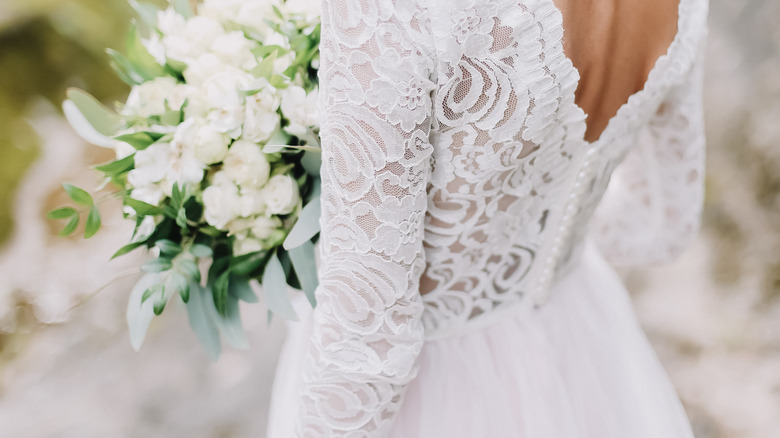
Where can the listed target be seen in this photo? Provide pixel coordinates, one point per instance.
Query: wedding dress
(467, 227)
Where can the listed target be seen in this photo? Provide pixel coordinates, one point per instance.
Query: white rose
(281, 194)
(254, 13)
(220, 202)
(251, 202)
(221, 10)
(300, 109)
(222, 90)
(233, 48)
(151, 194)
(264, 227)
(209, 145)
(183, 167)
(261, 120)
(246, 164)
(284, 61)
(309, 9)
(156, 48)
(149, 98)
(151, 165)
(201, 32)
(202, 68)
(169, 22)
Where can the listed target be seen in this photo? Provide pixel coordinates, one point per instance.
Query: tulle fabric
(579, 366)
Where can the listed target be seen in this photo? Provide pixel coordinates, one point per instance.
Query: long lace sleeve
(375, 107)
(652, 207)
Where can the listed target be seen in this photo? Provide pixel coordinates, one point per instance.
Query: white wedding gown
(466, 228)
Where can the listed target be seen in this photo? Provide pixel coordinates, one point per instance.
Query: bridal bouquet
(217, 159)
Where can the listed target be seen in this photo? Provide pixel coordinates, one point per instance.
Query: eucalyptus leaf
(203, 319)
(102, 119)
(168, 247)
(124, 68)
(139, 56)
(183, 8)
(200, 250)
(240, 288)
(139, 140)
(245, 264)
(230, 324)
(93, 222)
(83, 127)
(158, 264)
(304, 262)
(312, 161)
(307, 226)
(78, 195)
(139, 314)
(275, 290)
(189, 268)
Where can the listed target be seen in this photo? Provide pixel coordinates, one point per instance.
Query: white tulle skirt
(580, 366)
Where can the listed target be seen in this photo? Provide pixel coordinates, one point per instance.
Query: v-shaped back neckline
(633, 99)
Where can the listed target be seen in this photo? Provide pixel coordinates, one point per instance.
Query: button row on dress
(578, 189)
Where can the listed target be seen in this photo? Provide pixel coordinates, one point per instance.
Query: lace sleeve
(652, 207)
(375, 107)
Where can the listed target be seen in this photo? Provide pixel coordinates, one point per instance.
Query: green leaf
(184, 8)
(117, 167)
(303, 261)
(147, 12)
(93, 222)
(102, 119)
(159, 264)
(307, 226)
(279, 82)
(203, 319)
(312, 161)
(199, 250)
(185, 293)
(220, 291)
(159, 304)
(139, 56)
(62, 213)
(142, 208)
(189, 268)
(266, 66)
(245, 264)
(127, 248)
(277, 12)
(230, 324)
(239, 287)
(140, 140)
(151, 291)
(168, 247)
(71, 226)
(275, 290)
(79, 196)
(265, 50)
(139, 314)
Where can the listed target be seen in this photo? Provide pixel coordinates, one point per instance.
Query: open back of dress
(465, 224)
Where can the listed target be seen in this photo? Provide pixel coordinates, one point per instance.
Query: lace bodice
(456, 181)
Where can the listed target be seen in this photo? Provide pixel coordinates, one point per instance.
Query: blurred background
(66, 365)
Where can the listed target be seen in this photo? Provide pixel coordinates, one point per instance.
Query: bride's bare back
(614, 44)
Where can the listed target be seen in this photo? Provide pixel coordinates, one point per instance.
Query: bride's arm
(375, 113)
(652, 208)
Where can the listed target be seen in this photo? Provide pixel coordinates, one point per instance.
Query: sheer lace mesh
(456, 180)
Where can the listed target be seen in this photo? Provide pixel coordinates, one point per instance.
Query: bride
(483, 161)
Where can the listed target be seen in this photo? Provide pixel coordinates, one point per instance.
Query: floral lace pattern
(456, 180)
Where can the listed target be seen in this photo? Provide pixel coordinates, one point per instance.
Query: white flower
(262, 119)
(234, 49)
(156, 48)
(145, 229)
(209, 145)
(150, 98)
(246, 164)
(251, 202)
(309, 9)
(202, 68)
(284, 61)
(150, 193)
(246, 245)
(281, 194)
(169, 22)
(300, 109)
(151, 165)
(194, 39)
(264, 227)
(220, 203)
